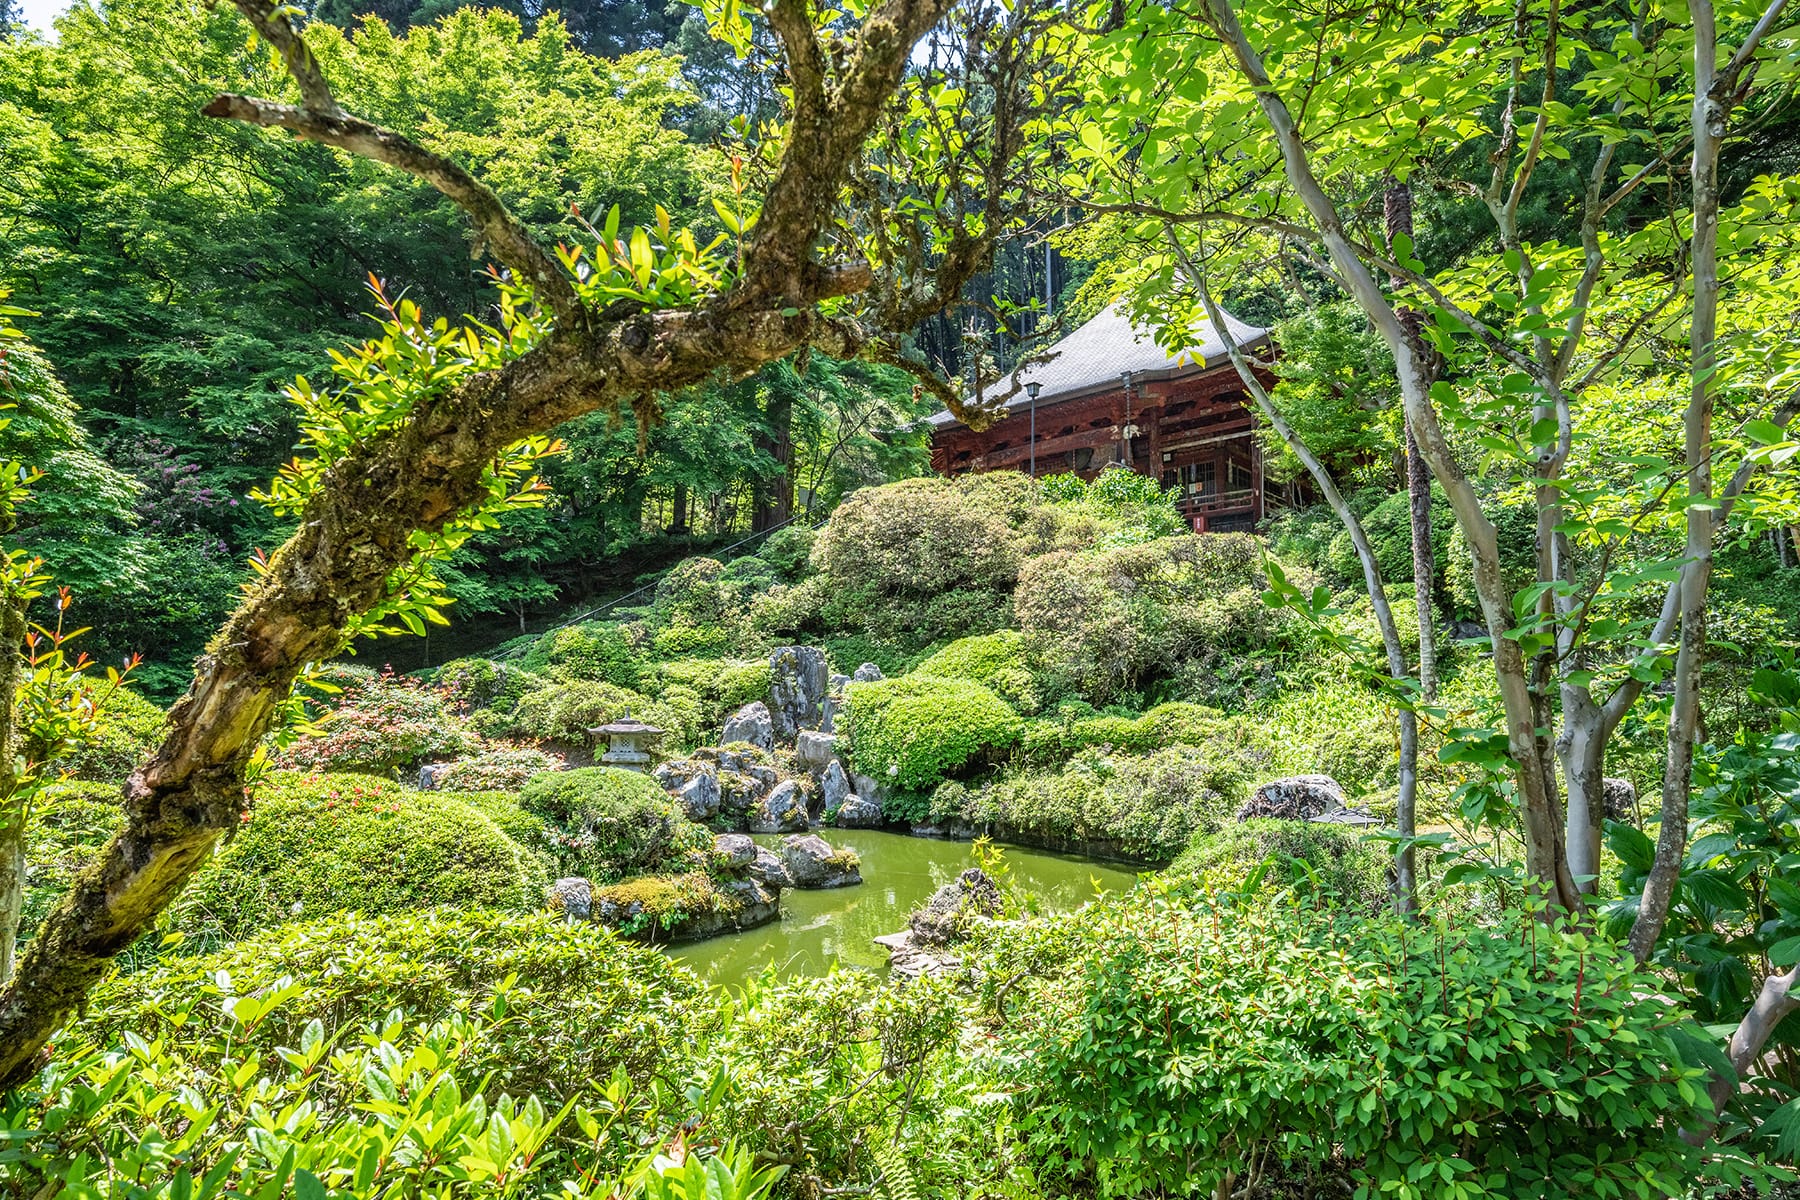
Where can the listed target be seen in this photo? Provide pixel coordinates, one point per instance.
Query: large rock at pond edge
(814, 863)
(799, 682)
(910, 959)
(735, 851)
(769, 869)
(946, 917)
(834, 786)
(751, 723)
(783, 810)
(1297, 798)
(1618, 799)
(857, 813)
(868, 788)
(754, 903)
(573, 897)
(813, 749)
(867, 673)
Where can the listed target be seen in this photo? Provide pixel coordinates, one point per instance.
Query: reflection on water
(818, 929)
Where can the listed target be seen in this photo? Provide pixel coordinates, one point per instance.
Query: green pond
(819, 929)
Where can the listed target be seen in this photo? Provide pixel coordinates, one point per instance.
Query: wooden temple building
(1112, 397)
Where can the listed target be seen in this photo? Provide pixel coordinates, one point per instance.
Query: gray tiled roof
(1091, 359)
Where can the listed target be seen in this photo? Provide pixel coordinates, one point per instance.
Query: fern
(896, 1182)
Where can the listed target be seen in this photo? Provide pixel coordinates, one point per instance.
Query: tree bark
(13, 814)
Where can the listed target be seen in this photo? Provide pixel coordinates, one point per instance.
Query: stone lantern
(629, 743)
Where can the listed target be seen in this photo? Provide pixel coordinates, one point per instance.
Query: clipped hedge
(506, 769)
(383, 724)
(320, 844)
(613, 823)
(1336, 866)
(915, 731)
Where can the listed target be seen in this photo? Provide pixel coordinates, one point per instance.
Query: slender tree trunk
(1539, 812)
(12, 802)
(1397, 206)
(1709, 117)
(678, 523)
(1405, 872)
(775, 495)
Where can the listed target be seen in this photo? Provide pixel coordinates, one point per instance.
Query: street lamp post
(1125, 434)
(1032, 389)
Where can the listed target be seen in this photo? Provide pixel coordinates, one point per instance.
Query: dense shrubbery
(613, 823)
(127, 729)
(1143, 806)
(382, 724)
(1438, 1061)
(997, 661)
(562, 712)
(1176, 723)
(597, 652)
(914, 731)
(497, 770)
(1334, 865)
(73, 821)
(327, 843)
(1110, 621)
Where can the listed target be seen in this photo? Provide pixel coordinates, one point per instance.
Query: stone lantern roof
(628, 742)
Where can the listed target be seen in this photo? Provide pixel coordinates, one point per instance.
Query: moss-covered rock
(1334, 864)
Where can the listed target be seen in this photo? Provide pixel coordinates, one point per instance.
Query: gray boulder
(750, 903)
(573, 897)
(908, 958)
(838, 681)
(1297, 798)
(783, 810)
(834, 786)
(815, 748)
(429, 774)
(769, 869)
(946, 917)
(735, 851)
(700, 797)
(1618, 799)
(799, 682)
(867, 673)
(857, 813)
(751, 723)
(869, 789)
(814, 863)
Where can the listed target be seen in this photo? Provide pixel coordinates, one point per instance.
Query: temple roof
(1092, 358)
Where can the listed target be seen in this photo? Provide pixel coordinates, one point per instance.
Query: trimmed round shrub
(329, 843)
(1172, 724)
(995, 660)
(691, 593)
(124, 733)
(582, 1002)
(486, 683)
(914, 731)
(920, 537)
(597, 652)
(1187, 1033)
(681, 639)
(613, 823)
(1336, 866)
(1388, 524)
(497, 770)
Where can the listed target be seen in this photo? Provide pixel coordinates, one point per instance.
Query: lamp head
(1033, 388)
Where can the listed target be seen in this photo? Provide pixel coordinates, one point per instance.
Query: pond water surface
(818, 929)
